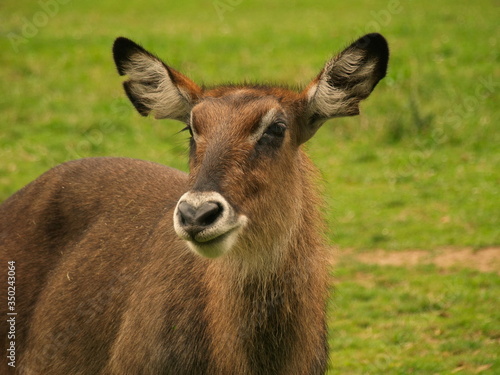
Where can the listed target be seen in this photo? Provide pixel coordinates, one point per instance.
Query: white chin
(216, 247)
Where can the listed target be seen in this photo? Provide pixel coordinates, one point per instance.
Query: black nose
(195, 219)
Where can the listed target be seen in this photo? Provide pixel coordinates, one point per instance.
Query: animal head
(247, 176)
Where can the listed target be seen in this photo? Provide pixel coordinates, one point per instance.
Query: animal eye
(273, 136)
(276, 129)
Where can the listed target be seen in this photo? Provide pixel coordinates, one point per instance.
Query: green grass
(390, 320)
(418, 169)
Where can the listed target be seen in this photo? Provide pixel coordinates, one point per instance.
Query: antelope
(126, 266)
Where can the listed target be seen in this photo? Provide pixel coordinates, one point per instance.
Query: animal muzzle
(208, 223)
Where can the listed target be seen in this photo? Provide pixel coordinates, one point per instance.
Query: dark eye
(273, 136)
(276, 129)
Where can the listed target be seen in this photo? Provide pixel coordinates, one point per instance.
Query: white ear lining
(150, 83)
(328, 100)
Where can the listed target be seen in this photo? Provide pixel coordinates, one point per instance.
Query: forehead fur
(241, 112)
(245, 104)
(282, 94)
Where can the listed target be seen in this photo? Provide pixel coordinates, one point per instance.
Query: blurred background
(411, 185)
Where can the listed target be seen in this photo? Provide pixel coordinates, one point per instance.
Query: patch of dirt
(394, 258)
(484, 260)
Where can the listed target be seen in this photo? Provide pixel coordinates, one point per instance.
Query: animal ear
(345, 80)
(152, 85)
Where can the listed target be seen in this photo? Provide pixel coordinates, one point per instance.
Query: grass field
(418, 169)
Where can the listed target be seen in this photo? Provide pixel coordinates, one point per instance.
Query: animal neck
(269, 310)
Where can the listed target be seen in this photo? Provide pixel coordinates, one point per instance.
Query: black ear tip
(123, 48)
(374, 43)
(376, 46)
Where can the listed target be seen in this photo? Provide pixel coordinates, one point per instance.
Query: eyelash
(188, 128)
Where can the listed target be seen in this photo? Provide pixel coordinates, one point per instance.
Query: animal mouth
(210, 240)
(214, 245)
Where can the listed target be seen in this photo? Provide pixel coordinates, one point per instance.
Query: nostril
(187, 213)
(207, 214)
(195, 219)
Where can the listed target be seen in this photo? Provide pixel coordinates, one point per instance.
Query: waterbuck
(122, 266)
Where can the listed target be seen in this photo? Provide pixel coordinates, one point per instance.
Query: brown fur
(105, 286)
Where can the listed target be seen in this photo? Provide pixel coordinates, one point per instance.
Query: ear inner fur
(152, 85)
(345, 80)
